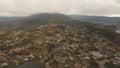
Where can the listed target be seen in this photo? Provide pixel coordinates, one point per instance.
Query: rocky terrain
(60, 45)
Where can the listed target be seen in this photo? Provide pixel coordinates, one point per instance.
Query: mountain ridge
(98, 19)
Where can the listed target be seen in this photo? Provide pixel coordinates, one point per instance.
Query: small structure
(96, 55)
(4, 64)
(101, 64)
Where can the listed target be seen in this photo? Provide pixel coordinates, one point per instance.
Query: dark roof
(29, 65)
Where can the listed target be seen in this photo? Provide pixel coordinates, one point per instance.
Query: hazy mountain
(10, 19)
(46, 18)
(57, 17)
(99, 19)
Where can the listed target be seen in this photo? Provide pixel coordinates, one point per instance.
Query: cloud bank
(83, 7)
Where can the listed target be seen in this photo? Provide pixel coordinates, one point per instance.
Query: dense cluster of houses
(56, 45)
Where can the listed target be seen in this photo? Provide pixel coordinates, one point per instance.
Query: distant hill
(99, 19)
(57, 17)
(46, 18)
(10, 19)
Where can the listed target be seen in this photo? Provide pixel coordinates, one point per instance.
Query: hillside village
(59, 33)
(58, 45)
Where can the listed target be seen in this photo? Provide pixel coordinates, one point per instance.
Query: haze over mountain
(98, 19)
(47, 18)
(84, 7)
(10, 19)
(41, 16)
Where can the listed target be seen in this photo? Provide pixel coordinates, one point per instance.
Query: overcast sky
(83, 7)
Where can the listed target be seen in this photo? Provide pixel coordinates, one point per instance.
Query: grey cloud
(117, 1)
(84, 7)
